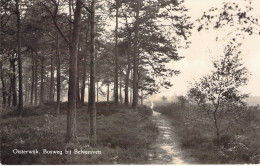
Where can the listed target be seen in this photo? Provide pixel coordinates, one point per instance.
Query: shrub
(239, 145)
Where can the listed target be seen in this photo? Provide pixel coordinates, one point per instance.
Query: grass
(123, 135)
(238, 146)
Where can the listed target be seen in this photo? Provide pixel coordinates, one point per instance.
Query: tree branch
(85, 7)
(4, 24)
(54, 18)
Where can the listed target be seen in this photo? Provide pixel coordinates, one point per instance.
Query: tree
(73, 52)
(128, 70)
(91, 101)
(122, 53)
(84, 77)
(71, 118)
(20, 63)
(36, 79)
(12, 92)
(182, 100)
(135, 56)
(1, 60)
(42, 89)
(33, 79)
(152, 46)
(58, 68)
(117, 6)
(51, 97)
(218, 93)
(4, 94)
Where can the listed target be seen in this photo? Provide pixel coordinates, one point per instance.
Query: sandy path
(166, 149)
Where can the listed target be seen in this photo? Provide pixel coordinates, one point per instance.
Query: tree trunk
(135, 58)
(120, 93)
(32, 82)
(52, 81)
(116, 55)
(36, 80)
(127, 73)
(97, 92)
(108, 92)
(1, 64)
(42, 93)
(78, 80)
(13, 82)
(131, 89)
(27, 91)
(70, 22)
(126, 90)
(88, 85)
(91, 103)
(142, 97)
(3, 84)
(84, 69)
(46, 84)
(58, 62)
(71, 113)
(20, 68)
(10, 92)
(216, 126)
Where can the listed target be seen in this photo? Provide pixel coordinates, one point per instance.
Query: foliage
(182, 100)
(163, 26)
(218, 93)
(236, 18)
(239, 146)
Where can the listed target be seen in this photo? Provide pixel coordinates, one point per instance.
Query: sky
(198, 57)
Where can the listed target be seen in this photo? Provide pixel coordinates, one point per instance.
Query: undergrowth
(123, 135)
(239, 145)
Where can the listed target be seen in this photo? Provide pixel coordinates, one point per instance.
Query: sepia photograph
(129, 82)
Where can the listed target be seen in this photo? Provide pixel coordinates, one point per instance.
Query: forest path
(166, 149)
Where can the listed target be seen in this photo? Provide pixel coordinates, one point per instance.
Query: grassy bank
(240, 144)
(124, 135)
